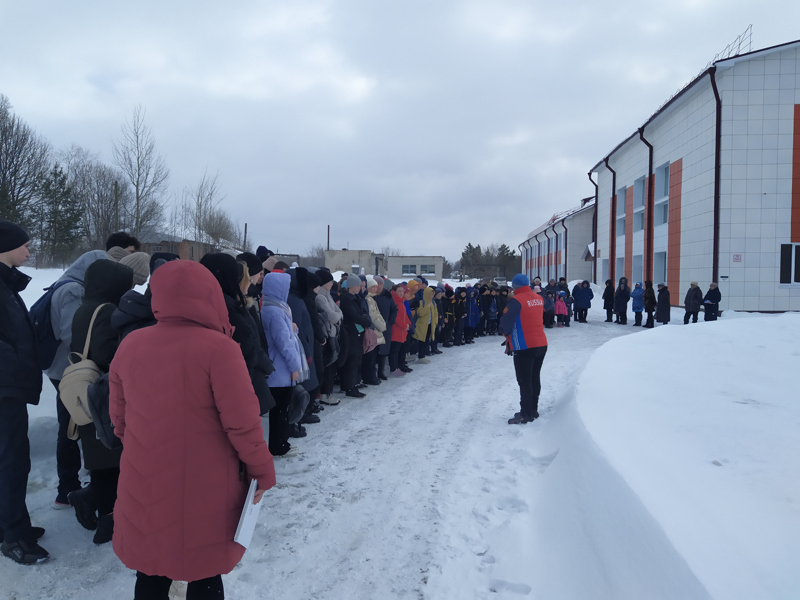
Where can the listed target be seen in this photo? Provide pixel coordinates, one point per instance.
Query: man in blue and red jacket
(522, 325)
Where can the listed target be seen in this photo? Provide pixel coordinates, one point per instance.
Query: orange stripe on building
(629, 233)
(796, 178)
(674, 232)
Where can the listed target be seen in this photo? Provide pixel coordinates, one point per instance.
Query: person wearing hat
(521, 323)
(20, 385)
(692, 303)
(134, 310)
(330, 317)
(388, 310)
(139, 262)
(355, 320)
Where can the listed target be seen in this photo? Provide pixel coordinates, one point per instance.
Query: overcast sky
(421, 125)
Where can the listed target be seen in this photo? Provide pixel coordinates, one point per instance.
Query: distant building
(185, 249)
(563, 246)
(404, 267)
(708, 189)
(352, 261)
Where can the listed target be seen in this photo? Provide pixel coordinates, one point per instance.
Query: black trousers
(609, 314)
(423, 346)
(622, 315)
(690, 315)
(327, 379)
(458, 332)
(15, 464)
(650, 320)
(68, 453)
(710, 312)
(156, 587)
(104, 486)
(580, 314)
(528, 367)
(279, 420)
(348, 374)
(637, 319)
(447, 332)
(369, 366)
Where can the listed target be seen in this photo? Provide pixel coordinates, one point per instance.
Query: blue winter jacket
(277, 322)
(583, 296)
(637, 298)
(473, 311)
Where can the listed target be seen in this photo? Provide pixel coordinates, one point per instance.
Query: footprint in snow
(498, 585)
(512, 504)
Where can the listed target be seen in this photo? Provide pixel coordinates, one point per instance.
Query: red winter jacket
(522, 320)
(402, 322)
(183, 405)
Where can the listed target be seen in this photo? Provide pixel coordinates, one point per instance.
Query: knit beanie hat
(263, 253)
(387, 284)
(251, 260)
(352, 283)
(12, 236)
(371, 281)
(117, 253)
(312, 281)
(140, 263)
(519, 281)
(324, 276)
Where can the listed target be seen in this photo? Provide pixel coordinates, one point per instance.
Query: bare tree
(146, 171)
(24, 160)
(389, 251)
(219, 228)
(103, 194)
(204, 201)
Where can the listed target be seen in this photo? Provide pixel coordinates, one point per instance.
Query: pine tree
(60, 212)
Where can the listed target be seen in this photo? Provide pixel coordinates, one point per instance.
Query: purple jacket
(277, 319)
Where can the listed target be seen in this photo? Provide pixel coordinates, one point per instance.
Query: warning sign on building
(737, 258)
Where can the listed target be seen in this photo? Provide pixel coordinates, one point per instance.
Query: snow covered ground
(664, 465)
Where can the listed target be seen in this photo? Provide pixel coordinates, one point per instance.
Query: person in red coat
(522, 325)
(183, 405)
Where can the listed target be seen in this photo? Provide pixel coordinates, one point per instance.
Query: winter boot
(105, 529)
(354, 393)
(85, 510)
(24, 552)
(397, 373)
(309, 418)
(329, 400)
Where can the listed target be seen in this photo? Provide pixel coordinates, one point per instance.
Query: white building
(562, 247)
(353, 261)
(404, 267)
(708, 189)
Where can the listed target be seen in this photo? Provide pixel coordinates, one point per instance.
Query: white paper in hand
(249, 518)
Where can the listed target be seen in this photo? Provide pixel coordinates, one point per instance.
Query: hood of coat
(185, 291)
(276, 286)
(77, 270)
(299, 281)
(136, 305)
(428, 294)
(107, 281)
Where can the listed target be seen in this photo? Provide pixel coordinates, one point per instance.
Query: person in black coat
(650, 303)
(608, 300)
(388, 310)
(711, 303)
(621, 297)
(105, 283)
(692, 303)
(354, 321)
(663, 307)
(20, 385)
(229, 273)
(460, 312)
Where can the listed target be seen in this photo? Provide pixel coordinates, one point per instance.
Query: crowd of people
(181, 374)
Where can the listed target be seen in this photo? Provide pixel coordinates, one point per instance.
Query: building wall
(394, 269)
(760, 165)
(579, 236)
(343, 260)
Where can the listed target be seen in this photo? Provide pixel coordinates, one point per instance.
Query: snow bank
(701, 422)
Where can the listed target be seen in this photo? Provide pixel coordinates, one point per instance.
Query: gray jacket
(64, 303)
(330, 314)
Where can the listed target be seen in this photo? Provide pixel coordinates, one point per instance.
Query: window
(787, 273)
(427, 269)
(637, 272)
(638, 221)
(638, 193)
(621, 202)
(191, 252)
(605, 269)
(409, 269)
(662, 182)
(156, 248)
(660, 267)
(620, 272)
(661, 213)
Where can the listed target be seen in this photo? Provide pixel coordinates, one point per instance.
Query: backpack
(46, 342)
(74, 386)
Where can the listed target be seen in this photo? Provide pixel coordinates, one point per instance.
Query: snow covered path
(422, 491)
(384, 494)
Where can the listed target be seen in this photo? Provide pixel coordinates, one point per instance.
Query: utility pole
(116, 204)
(329, 237)
(244, 242)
